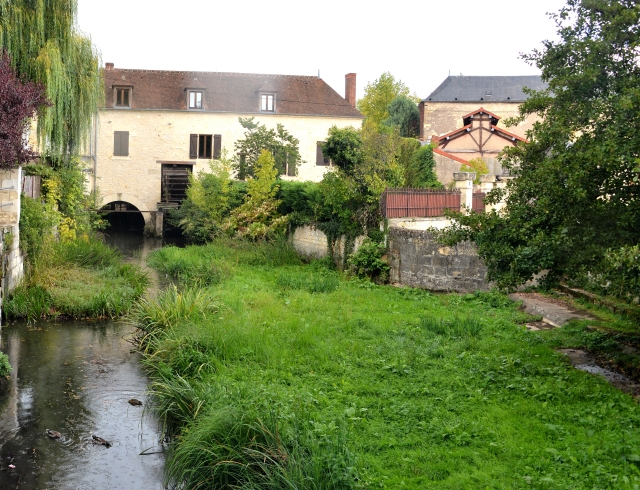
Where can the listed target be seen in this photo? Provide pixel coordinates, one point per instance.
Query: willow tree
(43, 41)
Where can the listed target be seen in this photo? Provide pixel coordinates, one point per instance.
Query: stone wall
(157, 137)
(417, 260)
(12, 259)
(441, 117)
(312, 243)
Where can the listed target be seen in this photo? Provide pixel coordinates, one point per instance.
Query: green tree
(377, 97)
(366, 164)
(404, 115)
(421, 173)
(258, 218)
(257, 137)
(476, 165)
(211, 196)
(42, 39)
(575, 196)
(344, 148)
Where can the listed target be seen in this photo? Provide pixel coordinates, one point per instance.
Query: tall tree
(257, 137)
(404, 115)
(46, 47)
(377, 97)
(19, 101)
(575, 197)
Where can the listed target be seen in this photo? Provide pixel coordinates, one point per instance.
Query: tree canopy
(575, 198)
(377, 97)
(404, 115)
(45, 46)
(19, 101)
(282, 146)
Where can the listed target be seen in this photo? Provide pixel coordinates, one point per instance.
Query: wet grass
(84, 279)
(283, 384)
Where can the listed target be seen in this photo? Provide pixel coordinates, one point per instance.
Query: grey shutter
(320, 160)
(291, 167)
(193, 146)
(124, 143)
(121, 143)
(217, 146)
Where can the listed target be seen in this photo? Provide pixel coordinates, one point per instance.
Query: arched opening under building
(123, 216)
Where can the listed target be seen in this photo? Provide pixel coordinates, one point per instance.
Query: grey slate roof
(487, 89)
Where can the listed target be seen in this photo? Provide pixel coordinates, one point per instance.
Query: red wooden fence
(417, 203)
(478, 202)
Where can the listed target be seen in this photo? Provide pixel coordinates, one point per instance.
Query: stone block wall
(310, 242)
(418, 261)
(10, 254)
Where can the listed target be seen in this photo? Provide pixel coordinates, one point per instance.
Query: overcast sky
(419, 42)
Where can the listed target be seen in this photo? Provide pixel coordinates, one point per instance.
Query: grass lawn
(269, 373)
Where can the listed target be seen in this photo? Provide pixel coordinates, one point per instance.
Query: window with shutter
(217, 146)
(121, 143)
(193, 146)
(204, 146)
(320, 158)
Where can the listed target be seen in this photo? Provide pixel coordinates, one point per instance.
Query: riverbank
(80, 279)
(272, 371)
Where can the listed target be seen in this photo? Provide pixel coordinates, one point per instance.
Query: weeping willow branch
(46, 47)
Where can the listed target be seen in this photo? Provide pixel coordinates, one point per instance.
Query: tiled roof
(227, 92)
(487, 89)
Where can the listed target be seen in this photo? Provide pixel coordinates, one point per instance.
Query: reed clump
(81, 279)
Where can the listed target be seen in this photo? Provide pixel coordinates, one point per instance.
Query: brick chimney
(350, 88)
(108, 66)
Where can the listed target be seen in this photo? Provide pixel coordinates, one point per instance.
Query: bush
(368, 261)
(477, 165)
(5, 367)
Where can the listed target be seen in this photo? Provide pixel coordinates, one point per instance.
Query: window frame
(123, 89)
(266, 97)
(195, 92)
(205, 146)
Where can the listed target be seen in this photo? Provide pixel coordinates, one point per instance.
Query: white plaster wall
(437, 222)
(164, 135)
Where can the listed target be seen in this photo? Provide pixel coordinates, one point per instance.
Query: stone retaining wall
(417, 260)
(12, 259)
(310, 242)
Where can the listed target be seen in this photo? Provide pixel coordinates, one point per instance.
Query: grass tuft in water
(170, 307)
(233, 449)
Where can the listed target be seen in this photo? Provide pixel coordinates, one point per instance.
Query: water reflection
(77, 378)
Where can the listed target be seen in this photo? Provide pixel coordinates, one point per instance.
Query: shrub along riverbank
(78, 279)
(268, 373)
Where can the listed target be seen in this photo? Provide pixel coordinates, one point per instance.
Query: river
(77, 378)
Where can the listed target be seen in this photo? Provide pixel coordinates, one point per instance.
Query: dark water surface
(77, 378)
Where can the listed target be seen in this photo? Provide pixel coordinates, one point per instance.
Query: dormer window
(123, 97)
(267, 103)
(195, 99)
